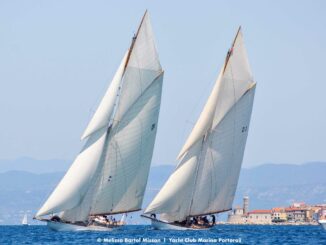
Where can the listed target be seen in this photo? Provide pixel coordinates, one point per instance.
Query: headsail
(206, 177)
(71, 190)
(121, 138)
(104, 112)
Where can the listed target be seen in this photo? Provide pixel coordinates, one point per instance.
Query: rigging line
(187, 121)
(98, 98)
(204, 91)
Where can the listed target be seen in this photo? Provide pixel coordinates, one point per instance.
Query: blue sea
(221, 234)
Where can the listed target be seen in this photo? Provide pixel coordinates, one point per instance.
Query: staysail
(205, 180)
(110, 174)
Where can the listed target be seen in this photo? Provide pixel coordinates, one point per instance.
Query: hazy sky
(58, 57)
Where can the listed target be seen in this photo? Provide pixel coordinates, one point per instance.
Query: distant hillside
(284, 174)
(271, 185)
(267, 186)
(34, 166)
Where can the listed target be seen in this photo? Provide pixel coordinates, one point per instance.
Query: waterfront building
(296, 214)
(322, 213)
(260, 217)
(278, 215)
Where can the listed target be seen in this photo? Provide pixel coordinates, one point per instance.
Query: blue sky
(58, 57)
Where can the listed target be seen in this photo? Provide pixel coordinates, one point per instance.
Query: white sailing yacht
(109, 175)
(322, 222)
(205, 179)
(24, 220)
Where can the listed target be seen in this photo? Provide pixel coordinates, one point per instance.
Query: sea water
(221, 234)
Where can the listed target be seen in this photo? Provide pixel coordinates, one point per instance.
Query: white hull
(59, 226)
(163, 225)
(322, 223)
(159, 225)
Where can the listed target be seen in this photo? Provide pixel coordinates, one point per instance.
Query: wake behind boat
(205, 180)
(109, 175)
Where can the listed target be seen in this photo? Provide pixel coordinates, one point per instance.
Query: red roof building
(260, 211)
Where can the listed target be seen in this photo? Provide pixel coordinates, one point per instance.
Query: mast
(230, 51)
(134, 39)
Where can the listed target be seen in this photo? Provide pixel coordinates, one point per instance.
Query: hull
(163, 225)
(60, 226)
(160, 225)
(322, 223)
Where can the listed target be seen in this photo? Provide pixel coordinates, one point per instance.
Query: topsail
(205, 180)
(110, 173)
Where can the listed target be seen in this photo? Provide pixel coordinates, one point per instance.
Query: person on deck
(205, 220)
(213, 219)
(153, 216)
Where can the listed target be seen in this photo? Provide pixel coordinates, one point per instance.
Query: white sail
(72, 188)
(121, 179)
(221, 159)
(110, 173)
(175, 196)
(206, 177)
(142, 69)
(24, 220)
(104, 111)
(130, 149)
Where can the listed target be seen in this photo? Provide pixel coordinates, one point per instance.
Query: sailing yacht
(322, 222)
(24, 220)
(205, 180)
(110, 173)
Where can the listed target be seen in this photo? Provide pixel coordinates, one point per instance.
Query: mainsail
(110, 173)
(205, 180)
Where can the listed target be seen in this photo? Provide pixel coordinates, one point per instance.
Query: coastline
(272, 224)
